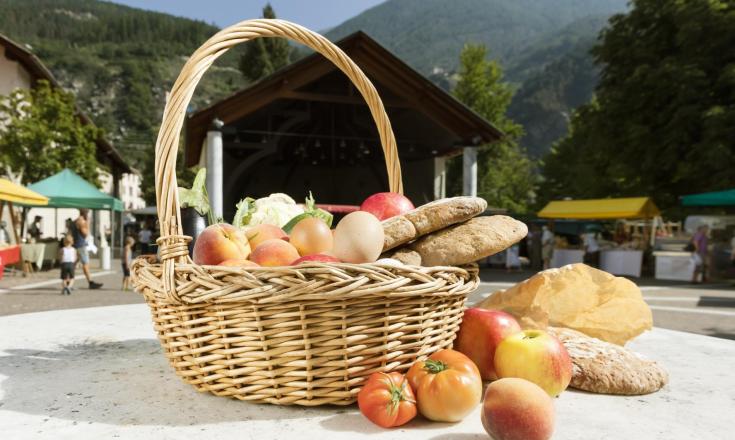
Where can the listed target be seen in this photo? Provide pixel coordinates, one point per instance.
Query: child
(127, 258)
(68, 259)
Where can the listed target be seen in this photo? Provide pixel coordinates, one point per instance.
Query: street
(707, 310)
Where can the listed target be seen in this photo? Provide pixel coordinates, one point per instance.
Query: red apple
(536, 356)
(322, 258)
(220, 242)
(479, 335)
(516, 409)
(386, 205)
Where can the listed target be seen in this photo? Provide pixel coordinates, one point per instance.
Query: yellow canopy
(14, 193)
(632, 207)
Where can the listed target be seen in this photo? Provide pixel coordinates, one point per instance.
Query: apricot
(274, 252)
(260, 233)
(220, 242)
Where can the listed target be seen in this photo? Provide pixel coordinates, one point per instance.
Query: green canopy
(67, 190)
(717, 198)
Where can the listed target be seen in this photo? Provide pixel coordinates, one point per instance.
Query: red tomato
(448, 386)
(387, 400)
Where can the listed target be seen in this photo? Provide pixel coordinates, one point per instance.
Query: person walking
(68, 258)
(144, 238)
(701, 253)
(80, 233)
(547, 246)
(591, 246)
(127, 259)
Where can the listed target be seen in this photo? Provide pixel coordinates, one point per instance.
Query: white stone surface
(99, 373)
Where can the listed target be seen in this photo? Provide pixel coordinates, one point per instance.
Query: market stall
(66, 189)
(620, 259)
(11, 193)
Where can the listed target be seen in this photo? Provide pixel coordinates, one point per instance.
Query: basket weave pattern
(308, 335)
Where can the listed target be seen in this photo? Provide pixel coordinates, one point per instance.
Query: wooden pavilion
(306, 128)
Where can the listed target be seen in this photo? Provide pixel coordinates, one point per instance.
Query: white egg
(358, 238)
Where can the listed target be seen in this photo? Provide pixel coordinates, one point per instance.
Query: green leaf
(196, 197)
(245, 210)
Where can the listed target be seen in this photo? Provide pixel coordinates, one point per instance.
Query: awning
(14, 193)
(67, 189)
(716, 198)
(632, 207)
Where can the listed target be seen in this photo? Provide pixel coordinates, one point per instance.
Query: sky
(317, 15)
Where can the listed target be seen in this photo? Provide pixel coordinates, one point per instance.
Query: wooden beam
(338, 99)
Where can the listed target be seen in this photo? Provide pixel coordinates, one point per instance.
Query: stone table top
(99, 373)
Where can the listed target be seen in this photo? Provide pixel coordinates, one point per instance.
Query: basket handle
(172, 242)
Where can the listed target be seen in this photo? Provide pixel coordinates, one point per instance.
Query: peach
(275, 252)
(239, 263)
(260, 233)
(516, 409)
(220, 242)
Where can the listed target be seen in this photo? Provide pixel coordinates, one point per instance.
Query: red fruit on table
(515, 409)
(386, 205)
(480, 334)
(321, 258)
(536, 356)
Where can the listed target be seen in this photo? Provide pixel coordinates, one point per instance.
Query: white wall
(12, 75)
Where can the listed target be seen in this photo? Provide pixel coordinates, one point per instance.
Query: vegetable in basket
(276, 209)
(195, 209)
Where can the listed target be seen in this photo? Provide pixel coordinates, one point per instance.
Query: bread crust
(605, 368)
(470, 241)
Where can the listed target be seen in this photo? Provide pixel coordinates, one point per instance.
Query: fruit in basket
(260, 233)
(447, 385)
(239, 263)
(387, 400)
(220, 242)
(480, 334)
(274, 252)
(515, 409)
(311, 236)
(386, 205)
(536, 356)
(321, 258)
(358, 238)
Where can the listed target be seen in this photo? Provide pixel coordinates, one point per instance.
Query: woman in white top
(68, 258)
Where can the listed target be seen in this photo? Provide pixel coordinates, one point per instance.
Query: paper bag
(578, 297)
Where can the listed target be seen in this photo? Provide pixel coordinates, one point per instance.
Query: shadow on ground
(120, 383)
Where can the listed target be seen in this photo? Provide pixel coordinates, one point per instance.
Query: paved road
(707, 310)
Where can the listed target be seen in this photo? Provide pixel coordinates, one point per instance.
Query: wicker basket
(308, 335)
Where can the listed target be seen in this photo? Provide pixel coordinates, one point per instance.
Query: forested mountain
(119, 61)
(542, 44)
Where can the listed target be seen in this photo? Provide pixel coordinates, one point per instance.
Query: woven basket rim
(398, 281)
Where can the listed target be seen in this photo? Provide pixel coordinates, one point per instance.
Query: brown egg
(358, 238)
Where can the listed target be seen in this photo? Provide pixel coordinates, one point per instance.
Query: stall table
(562, 257)
(674, 265)
(622, 261)
(99, 373)
(32, 253)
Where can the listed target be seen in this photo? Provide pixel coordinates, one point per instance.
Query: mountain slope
(543, 46)
(119, 61)
(430, 33)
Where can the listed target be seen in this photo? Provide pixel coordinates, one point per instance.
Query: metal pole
(469, 171)
(214, 167)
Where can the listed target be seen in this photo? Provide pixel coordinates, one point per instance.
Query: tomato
(387, 400)
(448, 386)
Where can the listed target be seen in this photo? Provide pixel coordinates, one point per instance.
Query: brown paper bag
(579, 297)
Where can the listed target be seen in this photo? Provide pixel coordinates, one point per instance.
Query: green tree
(505, 174)
(41, 134)
(663, 121)
(264, 56)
